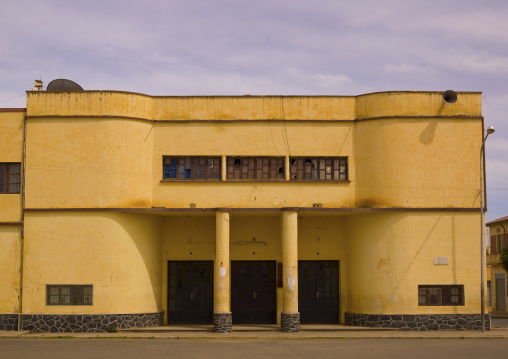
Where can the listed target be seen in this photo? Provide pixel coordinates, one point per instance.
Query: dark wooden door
(500, 290)
(253, 292)
(190, 292)
(318, 292)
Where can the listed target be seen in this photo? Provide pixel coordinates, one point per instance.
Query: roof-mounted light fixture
(449, 97)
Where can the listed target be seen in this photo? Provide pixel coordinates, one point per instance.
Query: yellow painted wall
(11, 150)
(391, 254)
(118, 253)
(405, 103)
(9, 269)
(118, 104)
(11, 136)
(102, 159)
(326, 238)
(10, 207)
(119, 160)
(495, 230)
(262, 228)
(418, 163)
(259, 139)
(254, 107)
(382, 104)
(185, 238)
(89, 103)
(193, 238)
(88, 163)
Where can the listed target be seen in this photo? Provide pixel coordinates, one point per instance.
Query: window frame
(5, 177)
(343, 161)
(447, 294)
(78, 294)
(216, 168)
(255, 165)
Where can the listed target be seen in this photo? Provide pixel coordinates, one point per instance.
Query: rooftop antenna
(38, 86)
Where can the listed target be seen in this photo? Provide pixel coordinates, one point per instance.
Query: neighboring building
(498, 241)
(122, 209)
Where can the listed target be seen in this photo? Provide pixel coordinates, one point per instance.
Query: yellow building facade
(498, 241)
(128, 210)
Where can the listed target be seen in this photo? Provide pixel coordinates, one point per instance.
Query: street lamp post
(482, 251)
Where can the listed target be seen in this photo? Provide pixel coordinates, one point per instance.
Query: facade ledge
(252, 209)
(11, 223)
(493, 259)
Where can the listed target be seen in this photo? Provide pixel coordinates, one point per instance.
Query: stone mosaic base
(290, 322)
(222, 322)
(95, 323)
(422, 322)
(8, 322)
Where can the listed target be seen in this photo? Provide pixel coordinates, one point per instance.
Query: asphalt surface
(253, 348)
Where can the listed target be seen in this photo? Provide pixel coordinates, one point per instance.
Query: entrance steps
(251, 328)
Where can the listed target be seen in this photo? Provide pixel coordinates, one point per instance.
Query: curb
(314, 335)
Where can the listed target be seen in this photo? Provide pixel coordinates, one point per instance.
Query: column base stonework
(290, 322)
(222, 322)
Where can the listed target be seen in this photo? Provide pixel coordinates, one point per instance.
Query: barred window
(255, 168)
(10, 177)
(439, 295)
(71, 294)
(192, 168)
(318, 168)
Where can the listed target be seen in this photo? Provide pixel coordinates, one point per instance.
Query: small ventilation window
(440, 295)
(71, 294)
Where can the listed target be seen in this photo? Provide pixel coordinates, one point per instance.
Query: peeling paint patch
(382, 262)
(291, 280)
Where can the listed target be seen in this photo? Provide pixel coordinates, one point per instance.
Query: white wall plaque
(440, 260)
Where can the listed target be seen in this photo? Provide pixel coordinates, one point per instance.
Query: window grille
(319, 168)
(255, 168)
(192, 168)
(440, 295)
(71, 294)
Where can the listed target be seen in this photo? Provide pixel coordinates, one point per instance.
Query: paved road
(253, 348)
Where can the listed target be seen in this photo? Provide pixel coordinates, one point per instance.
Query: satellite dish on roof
(63, 85)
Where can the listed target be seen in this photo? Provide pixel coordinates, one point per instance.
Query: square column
(290, 317)
(222, 316)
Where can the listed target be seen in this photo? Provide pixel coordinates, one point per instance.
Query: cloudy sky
(279, 47)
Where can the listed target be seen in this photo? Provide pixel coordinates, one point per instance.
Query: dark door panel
(318, 292)
(500, 292)
(190, 292)
(253, 292)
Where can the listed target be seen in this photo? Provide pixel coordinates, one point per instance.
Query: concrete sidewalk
(267, 332)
